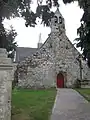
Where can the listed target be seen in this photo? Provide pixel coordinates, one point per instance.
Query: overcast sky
(28, 37)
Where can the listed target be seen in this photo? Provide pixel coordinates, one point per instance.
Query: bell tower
(57, 22)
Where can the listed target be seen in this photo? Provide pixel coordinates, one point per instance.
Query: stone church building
(56, 63)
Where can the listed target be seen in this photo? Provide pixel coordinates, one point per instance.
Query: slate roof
(23, 52)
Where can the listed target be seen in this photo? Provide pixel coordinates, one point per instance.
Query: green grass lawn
(85, 92)
(32, 104)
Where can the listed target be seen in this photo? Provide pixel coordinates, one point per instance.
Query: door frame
(58, 80)
(65, 77)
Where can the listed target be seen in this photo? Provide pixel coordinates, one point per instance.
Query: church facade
(55, 64)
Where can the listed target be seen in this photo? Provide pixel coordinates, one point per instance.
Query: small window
(56, 19)
(60, 20)
(67, 47)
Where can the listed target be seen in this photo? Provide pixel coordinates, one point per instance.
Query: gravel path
(70, 105)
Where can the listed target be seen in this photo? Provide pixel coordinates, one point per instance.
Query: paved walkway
(70, 105)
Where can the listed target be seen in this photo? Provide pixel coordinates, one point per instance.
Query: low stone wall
(6, 77)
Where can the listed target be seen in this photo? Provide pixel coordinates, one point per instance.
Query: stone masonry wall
(6, 77)
(56, 55)
(34, 70)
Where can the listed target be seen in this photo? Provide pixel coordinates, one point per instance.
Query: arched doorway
(60, 80)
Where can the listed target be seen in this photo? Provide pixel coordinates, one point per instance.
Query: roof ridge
(26, 47)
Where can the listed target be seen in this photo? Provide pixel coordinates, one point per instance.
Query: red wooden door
(60, 81)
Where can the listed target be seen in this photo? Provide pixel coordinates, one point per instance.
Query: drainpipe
(80, 66)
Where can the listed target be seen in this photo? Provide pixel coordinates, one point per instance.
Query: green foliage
(2, 36)
(68, 1)
(84, 30)
(22, 8)
(44, 12)
(84, 41)
(32, 104)
(10, 42)
(7, 38)
(30, 18)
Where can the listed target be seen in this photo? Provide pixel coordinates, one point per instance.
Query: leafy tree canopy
(7, 40)
(10, 42)
(22, 8)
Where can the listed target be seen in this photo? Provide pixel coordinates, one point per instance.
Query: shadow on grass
(85, 92)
